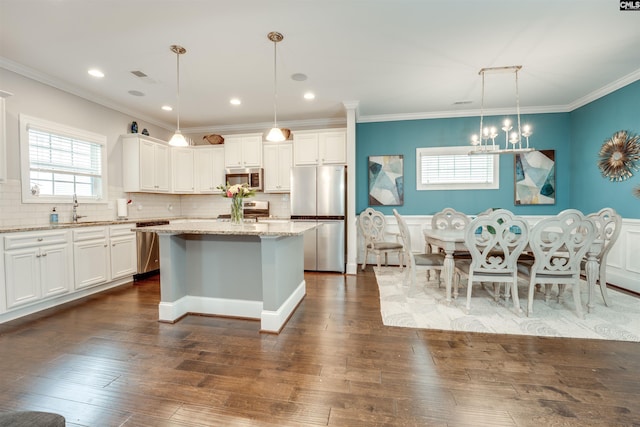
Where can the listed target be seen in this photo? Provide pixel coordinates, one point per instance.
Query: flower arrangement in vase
(236, 193)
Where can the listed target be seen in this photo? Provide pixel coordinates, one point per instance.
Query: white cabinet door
(55, 269)
(333, 147)
(22, 273)
(162, 167)
(278, 159)
(243, 151)
(233, 152)
(123, 256)
(209, 166)
(324, 147)
(37, 272)
(305, 149)
(145, 164)
(252, 151)
(182, 170)
(91, 260)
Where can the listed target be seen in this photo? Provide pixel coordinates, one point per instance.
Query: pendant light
(177, 140)
(275, 134)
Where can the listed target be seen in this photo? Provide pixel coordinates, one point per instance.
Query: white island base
(246, 273)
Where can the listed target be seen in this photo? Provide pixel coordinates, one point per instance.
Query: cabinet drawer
(121, 230)
(26, 240)
(89, 233)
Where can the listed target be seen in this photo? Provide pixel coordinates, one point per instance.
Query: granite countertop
(63, 225)
(227, 228)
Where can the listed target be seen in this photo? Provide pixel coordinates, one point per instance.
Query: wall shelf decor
(619, 156)
(386, 180)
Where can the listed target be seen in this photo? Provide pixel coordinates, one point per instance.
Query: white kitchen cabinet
(209, 168)
(145, 164)
(243, 151)
(37, 266)
(122, 251)
(278, 159)
(324, 147)
(91, 256)
(182, 170)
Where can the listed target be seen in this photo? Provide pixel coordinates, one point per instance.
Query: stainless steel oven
(148, 249)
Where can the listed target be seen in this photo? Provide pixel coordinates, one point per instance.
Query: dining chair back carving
(495, 241)
(432, 261)
(608, 223)
(558, 244)
(449, 219)
(377, 239)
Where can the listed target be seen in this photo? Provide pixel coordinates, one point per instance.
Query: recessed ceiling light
(299, 77)
(235, 101)
(167, 108)
(309, 96)
(96, 73)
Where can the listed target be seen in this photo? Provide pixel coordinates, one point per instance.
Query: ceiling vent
(142, 76)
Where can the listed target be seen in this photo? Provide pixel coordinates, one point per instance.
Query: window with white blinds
(452, 168)
(61, 161)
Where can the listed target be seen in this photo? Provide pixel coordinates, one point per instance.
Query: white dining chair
(558, 244)
(608, 223)
(431, 261)
(495, 241)
(377, 239)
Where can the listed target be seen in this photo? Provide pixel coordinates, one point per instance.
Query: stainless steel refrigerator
(318, 194)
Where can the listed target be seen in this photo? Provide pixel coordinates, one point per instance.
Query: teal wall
(576, 138)
(551, 131)
(591, 126)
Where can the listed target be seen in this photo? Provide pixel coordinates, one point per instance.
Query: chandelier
(485, 141)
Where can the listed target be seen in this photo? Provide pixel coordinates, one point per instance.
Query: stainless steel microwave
(251, 176)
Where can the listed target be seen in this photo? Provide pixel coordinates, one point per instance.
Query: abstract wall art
(535, 178)
(386, 180)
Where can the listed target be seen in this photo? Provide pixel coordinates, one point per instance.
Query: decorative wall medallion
(619, 156)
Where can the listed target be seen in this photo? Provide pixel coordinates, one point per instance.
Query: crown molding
(264, 127)
(605, 90)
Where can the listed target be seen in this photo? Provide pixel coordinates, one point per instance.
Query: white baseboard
(172, 311)
(273, 321)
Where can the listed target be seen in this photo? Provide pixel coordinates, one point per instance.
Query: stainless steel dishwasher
(148, 249)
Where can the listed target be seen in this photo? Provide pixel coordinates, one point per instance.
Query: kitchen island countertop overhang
(253, 270)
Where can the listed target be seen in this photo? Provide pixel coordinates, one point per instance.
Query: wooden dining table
(451, 241)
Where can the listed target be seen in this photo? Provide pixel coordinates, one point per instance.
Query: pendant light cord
(178, 89)
(275, 85)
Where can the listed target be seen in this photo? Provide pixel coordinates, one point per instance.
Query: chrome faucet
(74, 216)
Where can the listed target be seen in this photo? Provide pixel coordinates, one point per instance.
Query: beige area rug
(424, 308)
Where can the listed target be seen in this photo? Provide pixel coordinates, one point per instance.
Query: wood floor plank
(106, 361)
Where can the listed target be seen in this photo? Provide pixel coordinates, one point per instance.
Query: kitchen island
(252, 270)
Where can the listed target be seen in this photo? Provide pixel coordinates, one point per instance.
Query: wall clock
(620, 156)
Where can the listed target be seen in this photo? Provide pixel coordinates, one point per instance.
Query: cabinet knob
(40, 239)
(44, 254)
(38, 256)
(106, 246)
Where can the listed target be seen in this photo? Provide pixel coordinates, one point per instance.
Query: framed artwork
(386, 180)
(535, 178)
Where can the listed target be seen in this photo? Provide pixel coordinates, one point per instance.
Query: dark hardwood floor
(107, 361)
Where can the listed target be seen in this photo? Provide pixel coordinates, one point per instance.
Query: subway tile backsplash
(143, 206)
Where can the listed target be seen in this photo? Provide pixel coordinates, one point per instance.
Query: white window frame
(27, 122)
(457, 151)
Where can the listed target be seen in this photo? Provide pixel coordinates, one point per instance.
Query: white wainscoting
(623, 261)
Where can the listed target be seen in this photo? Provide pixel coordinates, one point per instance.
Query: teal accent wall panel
(591, 126)
(551, 132)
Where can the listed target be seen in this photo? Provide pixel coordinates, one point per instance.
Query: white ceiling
(397, 58)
